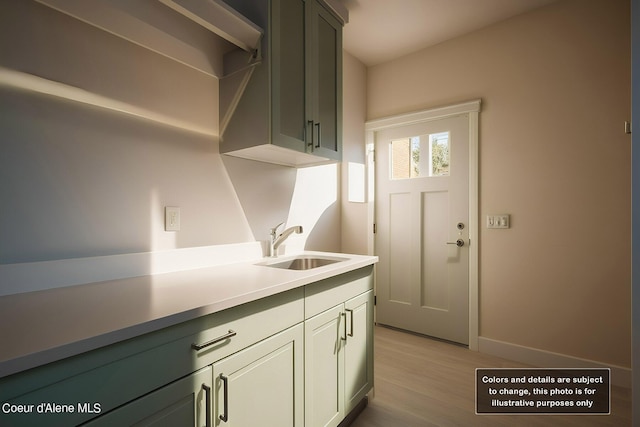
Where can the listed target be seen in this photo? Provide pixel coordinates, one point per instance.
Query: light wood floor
(425, 382)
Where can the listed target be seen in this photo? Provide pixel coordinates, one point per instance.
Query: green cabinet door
(358, 349)
(262, 385)
(288, 77)
(306, 61)
(324, 73)
(338, 360)
(324, 368)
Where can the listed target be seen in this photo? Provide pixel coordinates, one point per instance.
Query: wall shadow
(265, 192)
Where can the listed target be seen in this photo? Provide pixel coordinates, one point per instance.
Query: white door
(422, 219)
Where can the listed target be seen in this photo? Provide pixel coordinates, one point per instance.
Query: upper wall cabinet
(291, 110)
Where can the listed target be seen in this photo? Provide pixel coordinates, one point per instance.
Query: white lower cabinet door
(324, 368)
(358, 349)
(185, 402)
(262, 385)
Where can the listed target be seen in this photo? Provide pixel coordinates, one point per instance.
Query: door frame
(472, 108)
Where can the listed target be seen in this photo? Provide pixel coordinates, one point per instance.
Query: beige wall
(354, 214)
(555, 87)
(85, 182)
(77, 181)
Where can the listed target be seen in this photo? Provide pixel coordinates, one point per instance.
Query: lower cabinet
(300, 358)
(261, 385)
(338, 360)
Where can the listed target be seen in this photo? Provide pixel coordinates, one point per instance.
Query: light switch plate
(171, 218)
(499, 221)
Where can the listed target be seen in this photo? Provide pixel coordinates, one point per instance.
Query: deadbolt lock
(460, 226)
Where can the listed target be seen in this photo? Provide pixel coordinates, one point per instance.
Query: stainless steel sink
(303, 262)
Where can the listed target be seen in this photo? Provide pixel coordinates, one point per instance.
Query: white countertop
(45, 326)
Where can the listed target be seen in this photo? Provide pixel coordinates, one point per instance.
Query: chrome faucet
(276, 240)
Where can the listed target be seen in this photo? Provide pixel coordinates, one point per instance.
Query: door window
(420, 156)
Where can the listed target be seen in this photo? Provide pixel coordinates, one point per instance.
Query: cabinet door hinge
(375, 300)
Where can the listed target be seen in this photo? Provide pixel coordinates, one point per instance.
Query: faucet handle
(274, 230)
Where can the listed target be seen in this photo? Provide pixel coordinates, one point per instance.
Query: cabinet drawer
(327, 293)
(119, 373)
(244, 326)
(185, 402)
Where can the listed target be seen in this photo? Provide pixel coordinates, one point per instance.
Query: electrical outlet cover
(172, 218)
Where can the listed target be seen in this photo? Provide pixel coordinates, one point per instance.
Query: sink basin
(303, 262)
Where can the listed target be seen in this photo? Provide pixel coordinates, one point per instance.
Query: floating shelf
(127, 21)
(17, 80)
(221, 19)
(216, 17)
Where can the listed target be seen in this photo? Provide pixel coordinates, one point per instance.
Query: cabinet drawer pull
(207, 397)
(343, 316)
(350, 322)
(226, 336)
(225, 395)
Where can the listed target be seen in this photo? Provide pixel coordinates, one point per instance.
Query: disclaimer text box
(543, 391)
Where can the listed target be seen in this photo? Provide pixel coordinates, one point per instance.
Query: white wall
(354, 214)
(271, 194)
(77, 181)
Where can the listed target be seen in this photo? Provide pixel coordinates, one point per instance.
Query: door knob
(459, 243)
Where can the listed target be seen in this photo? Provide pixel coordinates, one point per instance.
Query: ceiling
(381, 30)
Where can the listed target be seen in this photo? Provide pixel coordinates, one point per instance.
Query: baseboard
(351, 416)
(620, 376)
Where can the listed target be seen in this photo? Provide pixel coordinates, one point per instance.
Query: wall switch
(171, 218)
(498, 221)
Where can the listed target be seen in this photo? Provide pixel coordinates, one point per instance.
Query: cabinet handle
(225, 395)
(207, 396)
(226, 336)
(344, 325)
(319, 135)
(310, 122)
(351, 321)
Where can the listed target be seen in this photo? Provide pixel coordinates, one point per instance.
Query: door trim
(472, 108)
